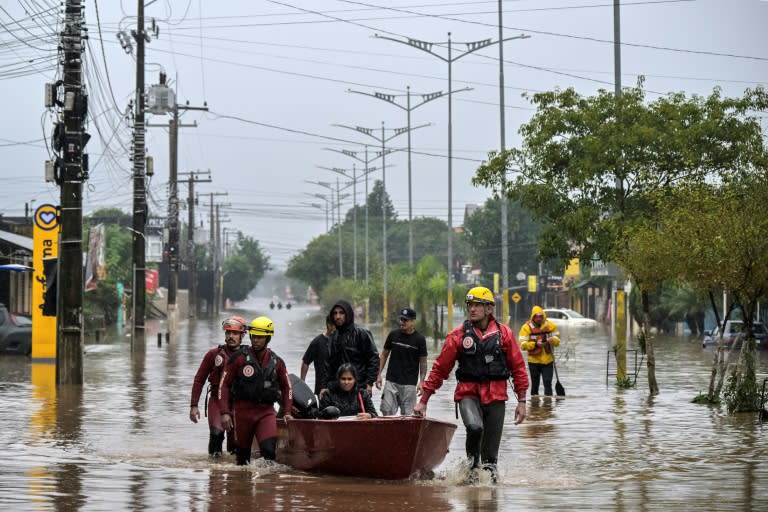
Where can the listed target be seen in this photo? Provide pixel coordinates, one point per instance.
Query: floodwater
(123, 440)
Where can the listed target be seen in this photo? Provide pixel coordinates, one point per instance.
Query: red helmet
(235, 323)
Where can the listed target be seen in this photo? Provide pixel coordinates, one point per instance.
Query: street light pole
(472, 47)
(390, 98)
(366, 171)
(344, 172)
(383, 139)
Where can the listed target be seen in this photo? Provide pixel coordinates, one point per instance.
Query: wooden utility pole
(73, 171)
(194, 177)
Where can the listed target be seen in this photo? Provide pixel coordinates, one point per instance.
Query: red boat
(392, 448)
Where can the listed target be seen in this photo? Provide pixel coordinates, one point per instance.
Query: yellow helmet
(480, 294)
(261, 326)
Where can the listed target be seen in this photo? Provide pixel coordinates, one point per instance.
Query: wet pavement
(123, 440)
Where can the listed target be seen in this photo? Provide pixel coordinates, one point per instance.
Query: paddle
(559, 389)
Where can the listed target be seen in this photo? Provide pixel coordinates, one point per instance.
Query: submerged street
(123, 441)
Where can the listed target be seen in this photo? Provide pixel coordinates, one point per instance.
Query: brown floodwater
(123, 440)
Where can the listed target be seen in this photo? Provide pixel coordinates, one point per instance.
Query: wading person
(351, 344)
(211, 369)
(538, 336)
(317, 354)
(406, 350)
(344, 394)
(253, 380)
(487, 354)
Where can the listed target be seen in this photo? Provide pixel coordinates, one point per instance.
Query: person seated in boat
(345, 395)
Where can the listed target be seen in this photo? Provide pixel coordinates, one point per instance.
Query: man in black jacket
(351, 344)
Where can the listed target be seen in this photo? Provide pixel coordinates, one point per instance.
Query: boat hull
(393, 448)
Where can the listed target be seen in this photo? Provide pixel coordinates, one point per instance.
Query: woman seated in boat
(344, 395)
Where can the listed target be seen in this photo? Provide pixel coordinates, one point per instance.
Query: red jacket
(233, 369)
(487, 391)
(210, 368)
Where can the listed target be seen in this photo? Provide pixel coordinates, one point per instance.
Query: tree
(589, 165)
(244, 268)
(483, 234)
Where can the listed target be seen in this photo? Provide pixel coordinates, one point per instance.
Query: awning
(18, 240)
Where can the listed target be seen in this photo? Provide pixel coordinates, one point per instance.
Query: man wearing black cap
(407, 368)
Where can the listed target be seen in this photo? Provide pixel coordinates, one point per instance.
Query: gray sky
(275, 76)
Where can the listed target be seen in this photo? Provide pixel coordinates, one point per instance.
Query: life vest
(481, 360)
(255, 383)
(537, 333)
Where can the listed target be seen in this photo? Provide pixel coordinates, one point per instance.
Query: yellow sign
(45, 237)
(495, 282)
(516, 297)
(532, 284)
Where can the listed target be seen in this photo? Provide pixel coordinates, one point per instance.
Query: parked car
(734, 333)
(564, 317)
(15, 333)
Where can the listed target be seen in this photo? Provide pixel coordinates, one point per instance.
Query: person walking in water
(253, 380)
(211, 368)
(488, 355)
(538, 336)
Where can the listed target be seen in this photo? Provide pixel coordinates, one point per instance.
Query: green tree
(483, 234)
(588, 167)
(244, 268)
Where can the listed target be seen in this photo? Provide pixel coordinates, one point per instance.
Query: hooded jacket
(530, 333)
(352, 344)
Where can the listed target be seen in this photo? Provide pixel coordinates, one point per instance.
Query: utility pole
(73, 170)
(212, 307)
(191, 246)
(383, 139)
(139, 191)
(471, 47)
(390, 98)
(172, 107)
(218, 276)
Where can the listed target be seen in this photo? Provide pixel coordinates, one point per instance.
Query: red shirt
(236, 366)
(487, 391)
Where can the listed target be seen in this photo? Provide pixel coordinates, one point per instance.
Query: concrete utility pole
(425, 98)
(471, 47)
(173, 199)
(212, 307)
(73, 171)
(383, 139)
(218, 288)
(337, 205)
(191, 246)
(139, 292)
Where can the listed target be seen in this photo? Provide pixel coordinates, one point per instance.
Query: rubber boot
(268, 448)
(243, 456)
(490, 467)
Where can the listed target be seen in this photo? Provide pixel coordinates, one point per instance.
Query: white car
(564, 317)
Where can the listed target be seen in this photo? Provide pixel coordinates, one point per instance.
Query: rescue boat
(390, 447)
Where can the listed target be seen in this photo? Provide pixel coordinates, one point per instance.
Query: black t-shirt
(405, 350)
(317, 353)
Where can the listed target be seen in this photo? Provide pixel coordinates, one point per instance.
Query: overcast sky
(276, 74)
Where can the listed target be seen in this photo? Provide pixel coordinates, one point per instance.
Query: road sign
(516, 297)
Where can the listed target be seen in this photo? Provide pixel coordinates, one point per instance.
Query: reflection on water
(123, 440)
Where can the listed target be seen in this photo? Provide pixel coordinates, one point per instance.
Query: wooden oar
(559, 389)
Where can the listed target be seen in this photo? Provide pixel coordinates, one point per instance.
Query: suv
(734, 333)
(15, 333)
